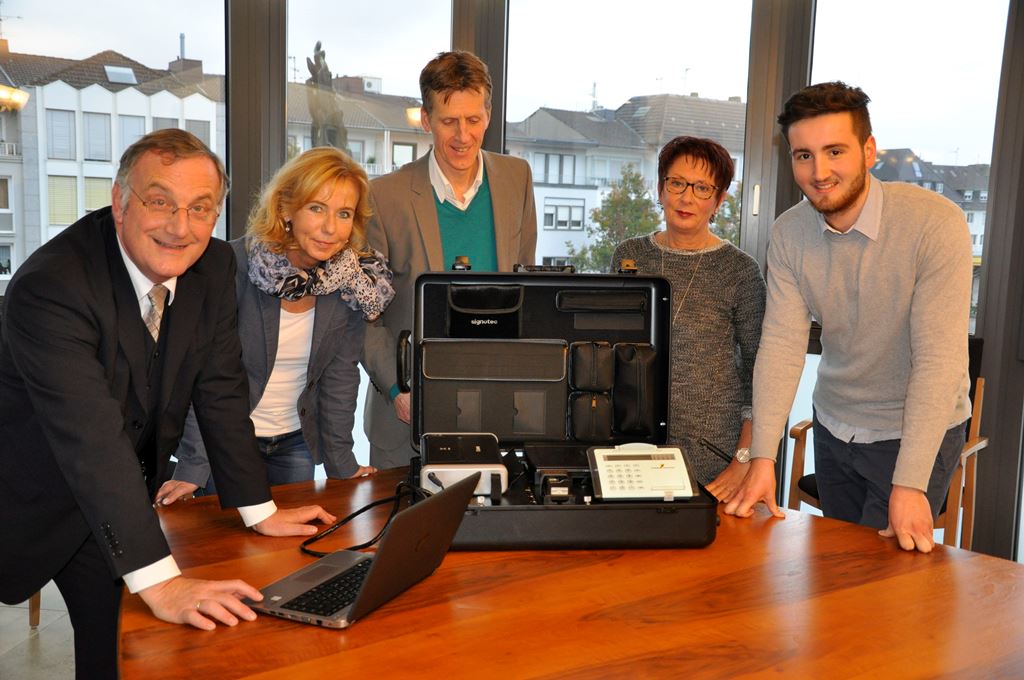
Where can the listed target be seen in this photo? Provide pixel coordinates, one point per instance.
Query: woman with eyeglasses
(307, 284)
(718, 297)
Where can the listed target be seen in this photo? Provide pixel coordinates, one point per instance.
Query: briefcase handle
(402, 361)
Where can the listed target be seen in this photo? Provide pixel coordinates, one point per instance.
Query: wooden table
(800, 597)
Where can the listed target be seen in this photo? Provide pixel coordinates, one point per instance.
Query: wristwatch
(743, 455)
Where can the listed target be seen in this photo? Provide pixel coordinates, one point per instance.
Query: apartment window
(60, 134)
(356, 149)
(6, 216)
(983, 196)
(164, 123)
(200, 128)
(970, 218)
(63, 195)
(402, 153)
(969, 195)
(132, 130)
(554, 168)
(5, 260)
(563, 213)
(96, 136)
(97, 193)
(940, 187)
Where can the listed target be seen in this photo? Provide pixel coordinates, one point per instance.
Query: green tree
(626, 211)
(727, 221)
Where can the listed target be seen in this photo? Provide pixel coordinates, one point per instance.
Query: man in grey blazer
(456, 200)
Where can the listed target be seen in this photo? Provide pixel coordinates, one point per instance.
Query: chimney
(5, 47)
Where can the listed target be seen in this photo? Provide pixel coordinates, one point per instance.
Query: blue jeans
(855, 479)
(287, 458)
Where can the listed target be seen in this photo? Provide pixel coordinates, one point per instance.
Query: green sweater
(469, 232)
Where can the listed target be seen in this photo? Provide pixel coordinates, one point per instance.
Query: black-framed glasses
(702, 190)
(199, 213)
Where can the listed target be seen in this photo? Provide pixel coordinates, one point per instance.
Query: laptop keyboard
(333, 594)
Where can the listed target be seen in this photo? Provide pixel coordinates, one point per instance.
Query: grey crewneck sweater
(715, 331)
(894, 316)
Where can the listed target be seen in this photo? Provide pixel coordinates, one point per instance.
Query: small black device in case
(459, 448)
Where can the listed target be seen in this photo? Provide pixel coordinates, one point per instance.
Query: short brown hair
(706, 151)
(295, 184)
(173, 145)
(824, 98)
(450, 72)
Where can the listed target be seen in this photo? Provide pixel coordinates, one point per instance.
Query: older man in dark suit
(109, 331)
(455, 200)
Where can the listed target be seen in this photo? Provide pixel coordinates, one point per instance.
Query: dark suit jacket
(326, 406)
(404, 227)
(73, 392)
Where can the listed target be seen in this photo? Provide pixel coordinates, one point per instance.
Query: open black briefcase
(551, 364)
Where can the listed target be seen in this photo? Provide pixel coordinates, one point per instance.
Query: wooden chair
(804, 488)
(34, 603)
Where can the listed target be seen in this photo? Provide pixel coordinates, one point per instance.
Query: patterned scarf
(363, 282)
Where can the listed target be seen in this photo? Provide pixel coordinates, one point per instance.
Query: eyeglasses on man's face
(677, 185)
(198, 213)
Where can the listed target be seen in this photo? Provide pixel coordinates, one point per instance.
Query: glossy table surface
(797, 597)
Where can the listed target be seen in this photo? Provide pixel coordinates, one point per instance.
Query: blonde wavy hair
(297, 183)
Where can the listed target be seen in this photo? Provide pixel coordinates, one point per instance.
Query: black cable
(403, 490)
(715, 450)
(437, 482)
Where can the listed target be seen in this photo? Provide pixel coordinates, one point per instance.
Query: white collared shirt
(870, 219)
(443, 188)
(167, 568)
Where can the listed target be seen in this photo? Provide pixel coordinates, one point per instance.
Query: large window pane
(927, 134)
(637, 79)
(93, 91)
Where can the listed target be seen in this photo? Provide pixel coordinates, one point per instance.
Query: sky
(931, 67)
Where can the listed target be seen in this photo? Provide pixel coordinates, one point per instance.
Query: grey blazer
(326, 406)
(404, 227)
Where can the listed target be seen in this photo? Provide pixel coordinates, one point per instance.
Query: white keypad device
(640, 472)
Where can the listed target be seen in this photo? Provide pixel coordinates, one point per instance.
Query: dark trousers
(93, 598)
(855, 479)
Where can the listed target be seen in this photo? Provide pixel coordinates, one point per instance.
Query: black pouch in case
(636, 387)
(593, 366)
(484, 311)
(591, 416)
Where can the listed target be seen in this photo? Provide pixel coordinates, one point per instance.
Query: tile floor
(46, 653)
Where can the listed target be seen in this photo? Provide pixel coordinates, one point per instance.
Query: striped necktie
(157, 297)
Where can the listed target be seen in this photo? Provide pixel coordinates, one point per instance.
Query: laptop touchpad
(320, 572)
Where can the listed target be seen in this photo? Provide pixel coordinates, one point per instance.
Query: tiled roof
(574, 127)
(362, 110)
(28, 70)
(661, 117)
(903, 165)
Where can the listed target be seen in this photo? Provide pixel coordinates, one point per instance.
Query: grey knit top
(718, 298)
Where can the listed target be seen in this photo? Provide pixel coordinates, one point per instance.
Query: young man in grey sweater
(885, 268)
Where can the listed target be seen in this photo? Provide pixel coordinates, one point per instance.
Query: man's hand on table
(758, 486)
(172, 490)
(200, 603)
(294, 521)
(910, 519)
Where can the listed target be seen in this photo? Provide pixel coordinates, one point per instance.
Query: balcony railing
(9, 149)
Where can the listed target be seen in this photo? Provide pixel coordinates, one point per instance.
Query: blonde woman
(307, 284)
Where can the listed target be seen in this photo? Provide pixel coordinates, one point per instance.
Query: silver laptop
(346, 585)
